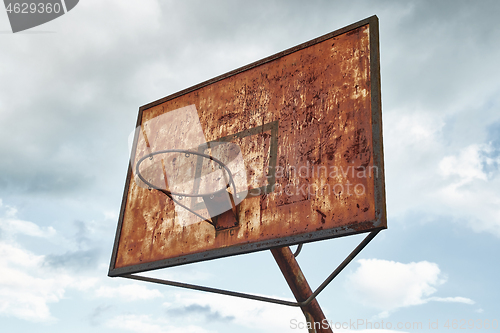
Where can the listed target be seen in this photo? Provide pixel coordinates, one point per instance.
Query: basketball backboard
(283, 151)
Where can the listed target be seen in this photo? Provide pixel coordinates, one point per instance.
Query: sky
(69, 95)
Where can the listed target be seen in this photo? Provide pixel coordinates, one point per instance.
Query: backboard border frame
(380, 221)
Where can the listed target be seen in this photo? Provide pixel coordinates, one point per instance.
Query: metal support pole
(300, 288)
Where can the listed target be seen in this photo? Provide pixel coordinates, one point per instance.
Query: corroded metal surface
(300, 288)
(327, 180)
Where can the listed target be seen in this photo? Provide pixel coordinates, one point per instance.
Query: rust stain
(299, 286)
(320, 96)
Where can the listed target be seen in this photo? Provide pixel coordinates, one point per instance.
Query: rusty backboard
(283, 151)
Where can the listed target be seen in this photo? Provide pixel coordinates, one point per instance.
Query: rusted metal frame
(377, 141)
(114, 253)
(325, 283)
(376, 109)
(339, 269)
(210, 290)
(325, 234)
(235, 250)
(297, 250)
(300, 287)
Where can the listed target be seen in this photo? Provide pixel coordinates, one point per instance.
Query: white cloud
(10, 225)
(129, 292)
(139, 17)
(27, 286)
(110, 215)
(149, 324)
(467, 165)
(470, 190)
(412, 149)
(415, 128)
(198, 309)
(422, 171)
(264, 317)
(16, 226)
(187, 273)
(389, 285)
(23, 293)
(452, 300)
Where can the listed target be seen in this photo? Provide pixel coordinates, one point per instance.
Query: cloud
(423, 48)
(388, 285)
(11, 226)
(197, 310)
(469, 163)
(23, 293)
(264, 317)
(437, 124)
(96, 316)
(15, 226)
(149, 324)
(58, 139)
(200, 309)
(68, 101)
(187, 273)
(28, 282)
(110, 215)
(416, 128)
(78, 260)
(412, 140)
(452, 300)
(83, 233)
(471, 186)
(423, 170)
(128, 292)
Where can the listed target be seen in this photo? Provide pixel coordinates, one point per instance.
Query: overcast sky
(69, 95)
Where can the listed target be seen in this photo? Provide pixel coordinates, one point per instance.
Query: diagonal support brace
(325, 283)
